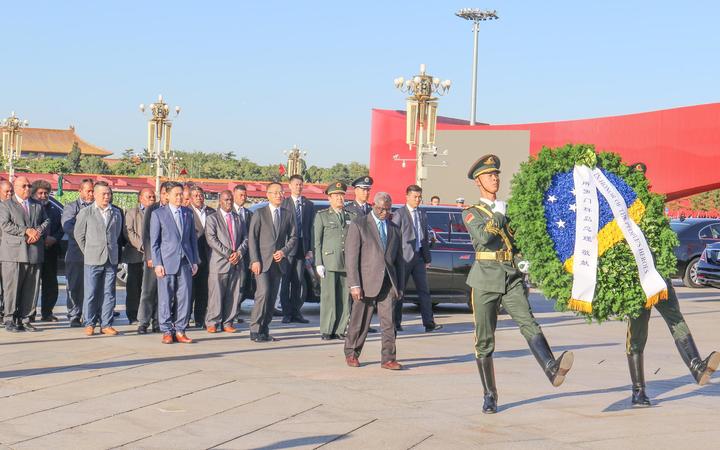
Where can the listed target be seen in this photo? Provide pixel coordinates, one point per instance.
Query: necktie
(229, 221)
(418, 230)
(383, 235)
(298, 218)
(178, 221)
(26, 208)
(341, 219)
(276, 220)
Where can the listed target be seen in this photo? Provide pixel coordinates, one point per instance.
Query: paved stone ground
(60, 389)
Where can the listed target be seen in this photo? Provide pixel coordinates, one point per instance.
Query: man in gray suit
(239, 200)
(74, 266)
(175, 259)
(6, 192)
(375, 274)
(134, 252)
(200, 282)
(271, 241)
(97, 231)
(416, 255)
(227, 242)
(23, 222)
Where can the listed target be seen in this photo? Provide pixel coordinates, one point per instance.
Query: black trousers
(200, 294)
(133, 289)
(148, 310)
(48, 280)
(293, 291)
(267, 284)
(416, 269)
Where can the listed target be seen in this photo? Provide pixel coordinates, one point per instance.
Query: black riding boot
(487, 376)
(700, 369)
(637, 375)
(555, 369)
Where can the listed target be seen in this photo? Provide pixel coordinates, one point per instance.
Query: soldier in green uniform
(330, 229)
(637, 334)
(496, 280)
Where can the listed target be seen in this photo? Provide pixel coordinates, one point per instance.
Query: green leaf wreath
(618, 292)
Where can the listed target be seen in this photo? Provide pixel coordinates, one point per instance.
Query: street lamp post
(296, 164)
(477, 16)
(159, 126)
(421, 119)
(12, 142)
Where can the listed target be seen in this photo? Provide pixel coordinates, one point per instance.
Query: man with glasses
(23, 222)
(74, 265)
(6, 192)
(48, 271)
(272, 240)
(373, 259)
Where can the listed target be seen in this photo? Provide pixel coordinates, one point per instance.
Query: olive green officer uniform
(495, 279)
(330, 229)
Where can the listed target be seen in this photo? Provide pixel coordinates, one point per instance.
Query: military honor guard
(330, 230)
(360, 205)
(495, 279)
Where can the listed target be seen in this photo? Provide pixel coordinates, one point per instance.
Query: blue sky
(257, 77)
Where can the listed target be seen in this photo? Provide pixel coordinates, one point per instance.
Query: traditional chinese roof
(45, 140)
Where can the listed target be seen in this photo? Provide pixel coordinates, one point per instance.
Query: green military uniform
(330, 230)
(495, 279)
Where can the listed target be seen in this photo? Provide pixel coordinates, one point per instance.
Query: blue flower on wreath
(559, 205)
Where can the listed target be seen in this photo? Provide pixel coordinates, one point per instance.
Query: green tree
(94, 164)
(73, 159)
(128, 164)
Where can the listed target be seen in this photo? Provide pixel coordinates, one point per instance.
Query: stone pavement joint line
(265, 426)
(340, 436)
(198, 420)
(125, 411)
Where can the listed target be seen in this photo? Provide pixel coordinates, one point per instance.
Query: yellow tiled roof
(45, 140)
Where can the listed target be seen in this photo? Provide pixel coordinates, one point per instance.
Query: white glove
(320, 271)
(524, 266)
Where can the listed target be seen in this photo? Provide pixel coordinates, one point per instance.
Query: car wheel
(690, 278)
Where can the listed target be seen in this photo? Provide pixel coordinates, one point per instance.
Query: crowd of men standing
(185, 259)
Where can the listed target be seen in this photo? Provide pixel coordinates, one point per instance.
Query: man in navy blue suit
(175, 259)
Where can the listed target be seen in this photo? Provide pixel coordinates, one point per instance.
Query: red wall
(680, 146)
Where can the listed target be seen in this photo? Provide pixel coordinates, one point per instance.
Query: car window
(710, 232)
(458, 226)
(439, 221)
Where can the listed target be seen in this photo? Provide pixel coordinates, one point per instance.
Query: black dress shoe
(399, 327)
(277, 313)
(286, 319)
(75, 323)
(433, 327)
(49, 318)
(29, 327)
(9, 326)
(155, 328)
(372, 330)
(254, 337)
(142, 329)
(239, 320)
(300, 319)
(116, 314)
(266, 338)
(327, 337)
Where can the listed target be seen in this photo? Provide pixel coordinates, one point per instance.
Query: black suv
(452, 257)
(694, 235)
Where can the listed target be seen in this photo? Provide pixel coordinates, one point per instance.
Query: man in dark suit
(148, 311)
(6, 192)
(375, 274)
(416, 255)
(360, 205)
(200, 282)
(134, 252)
(175, 259)
(97, 231)
(48, 271)
(294, 290)
(74, 267)
(227, 241)
(245, 215)
(24, 223)
(271, 246)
